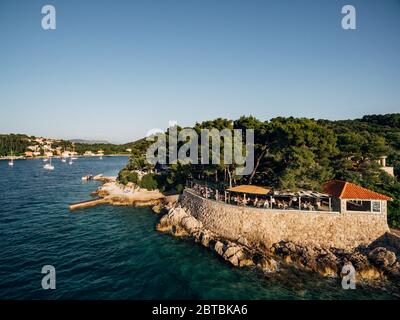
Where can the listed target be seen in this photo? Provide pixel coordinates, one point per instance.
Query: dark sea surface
(108, 252)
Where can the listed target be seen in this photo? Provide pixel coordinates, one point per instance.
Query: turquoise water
(108, 252)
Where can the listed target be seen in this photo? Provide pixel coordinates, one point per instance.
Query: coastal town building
(388, 170)
(34, 148)
(344, 216)
(337, 197)
(348, 197)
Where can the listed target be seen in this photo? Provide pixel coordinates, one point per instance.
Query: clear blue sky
(115, 69)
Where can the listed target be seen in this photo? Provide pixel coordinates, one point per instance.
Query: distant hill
(83, 141)
(17, 144)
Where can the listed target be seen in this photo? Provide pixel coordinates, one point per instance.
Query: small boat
(70, 161)
(11, 162)
(74, 158)
(48, 166)
(63, 160)
(101, 157)
(45, 159)
(87, 177)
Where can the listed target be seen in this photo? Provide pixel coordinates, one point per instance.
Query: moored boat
(11, 162)
(87, 177)
(48, 166)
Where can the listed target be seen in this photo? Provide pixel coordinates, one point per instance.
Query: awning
(250, 189)
(300, 193)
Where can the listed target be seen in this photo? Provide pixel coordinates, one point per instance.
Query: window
(358, 205)
(376, 206)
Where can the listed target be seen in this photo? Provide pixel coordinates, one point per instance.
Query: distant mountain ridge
(83, 141)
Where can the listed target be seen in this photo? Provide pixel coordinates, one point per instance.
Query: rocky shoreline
(115, 193)
(379, 261)
(376, 262)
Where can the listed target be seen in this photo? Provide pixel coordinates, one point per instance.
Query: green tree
(149, 181)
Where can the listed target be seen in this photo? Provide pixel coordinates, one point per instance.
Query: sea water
(109, 252)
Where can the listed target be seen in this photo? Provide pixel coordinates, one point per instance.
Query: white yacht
(48, 166)
(11, 162)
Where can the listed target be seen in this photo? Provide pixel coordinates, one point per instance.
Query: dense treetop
(290, 153)
(299, 153)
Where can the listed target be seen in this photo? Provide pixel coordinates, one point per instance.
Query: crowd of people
(265, 202)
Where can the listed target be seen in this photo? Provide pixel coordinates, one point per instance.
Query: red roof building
(347, 190)
(349, 197)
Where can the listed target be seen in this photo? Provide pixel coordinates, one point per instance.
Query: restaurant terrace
(338, 196)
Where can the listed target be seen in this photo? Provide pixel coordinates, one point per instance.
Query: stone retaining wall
(265, 227)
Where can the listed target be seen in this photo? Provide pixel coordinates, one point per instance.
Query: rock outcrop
(125, 195)
(387, 261)
(179, 223)
(369, 263)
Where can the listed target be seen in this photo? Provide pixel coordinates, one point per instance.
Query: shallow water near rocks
(109, 252)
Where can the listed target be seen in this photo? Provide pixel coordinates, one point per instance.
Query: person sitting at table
(266, 204)
(255, 202)
(273, 203)
(234, 200)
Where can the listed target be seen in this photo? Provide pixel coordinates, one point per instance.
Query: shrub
(394, 213)
(179, 188)
(125, 176)
(149, 181)
(133, 177)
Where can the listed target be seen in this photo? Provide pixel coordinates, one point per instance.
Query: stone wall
(265, 227)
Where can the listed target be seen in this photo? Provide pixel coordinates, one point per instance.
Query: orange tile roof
(348, 190)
